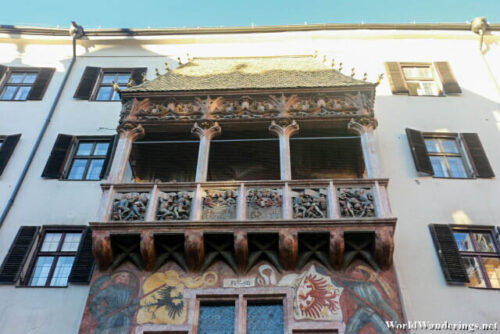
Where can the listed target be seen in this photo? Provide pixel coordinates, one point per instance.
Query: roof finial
(116, 87)
(188, 57)
(130, 82)
(167, 67)
(333, 63)
(324, 58)
(315, 53)
(179, 60)
(365, 76)
(157, 72)
(380, 77)
(144, 77)
(353, 72)
(341, 66)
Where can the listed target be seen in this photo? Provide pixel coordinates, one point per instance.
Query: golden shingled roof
(249, 73)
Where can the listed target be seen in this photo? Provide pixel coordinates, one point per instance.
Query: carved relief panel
(309, 203)
(264, 203)
(356, 202)
(219, 204)
(130, 206)
(174, 205)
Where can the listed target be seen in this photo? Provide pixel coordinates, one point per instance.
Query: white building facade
(430, 150)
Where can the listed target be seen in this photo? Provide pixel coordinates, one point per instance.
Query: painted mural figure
(113, 302)
(372, 308)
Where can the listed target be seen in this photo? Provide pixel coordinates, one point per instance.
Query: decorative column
(365, 127)
(148, 249)
(194, 249)
(205, 130)
(284, 128)
(241, 250)
(288, 249)
(337, 247)
(128, 133)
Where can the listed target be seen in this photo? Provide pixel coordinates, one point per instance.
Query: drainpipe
(76, 31)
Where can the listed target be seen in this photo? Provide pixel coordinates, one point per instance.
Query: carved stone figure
(309, 203)
(130, 206)
(264, 203)
(356, 202)
(219, 204)
(174, 205)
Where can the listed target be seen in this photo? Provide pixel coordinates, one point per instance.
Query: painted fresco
(357, 300)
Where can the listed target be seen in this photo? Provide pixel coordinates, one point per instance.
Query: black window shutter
(109, 158)
(480, 163)
(419, 151)
(87, 83)
(396, 78)
(18, 252)
(137, 75)
(41, 83)
(3, 70)
(55, 165)
(449, 256)
(450, 84)
(84, 261)
(8, 147)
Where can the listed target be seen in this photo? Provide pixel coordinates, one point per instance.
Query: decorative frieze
(309, 203)
(264, 203)
(356, 202)
(130, 206)
(247, 107)
(219, 204)
(174, 205)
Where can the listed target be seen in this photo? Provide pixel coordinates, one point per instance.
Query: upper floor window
(79, 157)
(97, 83)
(88, 160)
(449, 155)
(421, 79)
(21, 84)
(61, 254)
(55, 257)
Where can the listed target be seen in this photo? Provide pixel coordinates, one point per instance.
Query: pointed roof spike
(167, 67)
(333, 63)
(315, 53)
(380, 77)
(157, 72)
(324, 58)
(341, 66)
(179, 60)
(353, 72)
(365, 76)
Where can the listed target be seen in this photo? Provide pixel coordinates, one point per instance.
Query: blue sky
(214, 13)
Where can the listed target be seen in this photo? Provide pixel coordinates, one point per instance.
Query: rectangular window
(265, 317)
(18, 86)
(446, 157)
(216, 318)
(54, 259)
(481, 257)
(106, 90)
(421, 80)
(88, 160)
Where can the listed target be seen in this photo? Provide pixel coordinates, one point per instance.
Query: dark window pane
(474, 272)
(265, 319)
(101, 149)
(492, 266)
(22, 93)
(484, 242)
(77, 169)
(62, 271)
(16, 78)
(216, 319)
(105, 93)
(51, 242)
(71, 242)
(463, 241)
(30, 78)
(94, 172)
(84, 148)
(8, 92)
(42, 270)
(123, 78)
(108, 78)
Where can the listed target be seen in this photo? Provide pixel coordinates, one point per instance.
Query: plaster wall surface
(416, 201)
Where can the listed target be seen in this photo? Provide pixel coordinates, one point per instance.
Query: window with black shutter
(449, 155)
(80, 158)
(7, 146)
(421, 79)
(468, 254)
(21, 84)
(84, 262)
(103, 84)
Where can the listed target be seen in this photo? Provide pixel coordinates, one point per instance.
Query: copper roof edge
(13, 29)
